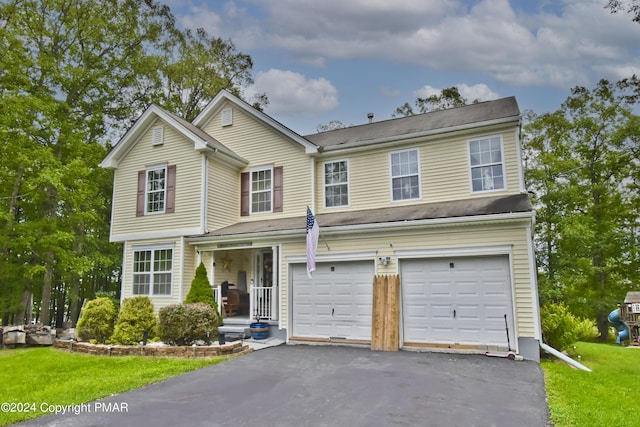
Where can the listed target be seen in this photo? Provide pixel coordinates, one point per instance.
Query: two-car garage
(456, 302)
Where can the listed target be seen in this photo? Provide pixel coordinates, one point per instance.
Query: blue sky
(323, 60)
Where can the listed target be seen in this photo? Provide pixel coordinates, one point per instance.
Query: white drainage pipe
(563, 356)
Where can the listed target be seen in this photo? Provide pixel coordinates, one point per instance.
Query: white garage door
(335, 303)
(459, 301)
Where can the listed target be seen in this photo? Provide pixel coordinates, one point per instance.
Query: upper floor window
(261, 190)
(405, 175)
(336, 184)
(487, 167)
(152, 271)
(156, 189)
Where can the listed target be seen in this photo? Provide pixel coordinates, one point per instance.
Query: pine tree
(201, 289)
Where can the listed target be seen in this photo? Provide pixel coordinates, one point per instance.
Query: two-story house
(438, 199)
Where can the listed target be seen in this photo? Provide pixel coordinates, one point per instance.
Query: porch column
(275, 276)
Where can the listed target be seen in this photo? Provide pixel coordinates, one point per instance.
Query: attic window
(157, 136)
(227, 117)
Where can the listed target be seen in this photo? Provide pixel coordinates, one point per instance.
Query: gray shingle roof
(402, 128)
(459, 208)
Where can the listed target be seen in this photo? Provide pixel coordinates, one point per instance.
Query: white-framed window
(405, 175)
(486, 163)
(262, 190)
(152, 271)
(336, 183)
(156, 189)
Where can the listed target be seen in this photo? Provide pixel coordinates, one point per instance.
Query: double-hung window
(156, 189)
(261, 190)
(405, 175)
(487, 167)
(152, 271)
(336, 184)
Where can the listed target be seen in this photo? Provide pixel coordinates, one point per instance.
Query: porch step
(237, 321)
(234, 329)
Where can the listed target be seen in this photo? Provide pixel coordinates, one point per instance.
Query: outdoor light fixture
(385, 260)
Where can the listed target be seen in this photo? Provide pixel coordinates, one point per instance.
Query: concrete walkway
(332, 386)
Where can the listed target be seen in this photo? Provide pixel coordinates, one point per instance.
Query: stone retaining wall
(166, 351)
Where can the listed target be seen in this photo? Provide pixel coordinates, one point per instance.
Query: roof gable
(224, 96)
(202, 141)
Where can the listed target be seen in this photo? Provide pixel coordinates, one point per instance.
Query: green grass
(607, 396)
(50, 376)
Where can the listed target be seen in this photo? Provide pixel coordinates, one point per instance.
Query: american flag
(313, 231)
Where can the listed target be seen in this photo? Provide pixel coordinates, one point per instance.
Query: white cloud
(559, 43)
(293, 94)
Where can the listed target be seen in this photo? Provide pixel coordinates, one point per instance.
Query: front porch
(245, 282)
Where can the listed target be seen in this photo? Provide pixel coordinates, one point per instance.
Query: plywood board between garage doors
(385, 333)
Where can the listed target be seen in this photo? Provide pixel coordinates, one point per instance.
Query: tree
(580, 165)
(196, 68)
(332, 125)
(449, 98)
(630, 6)
(201, 289)
(73, 75)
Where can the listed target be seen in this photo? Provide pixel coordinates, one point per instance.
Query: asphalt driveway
(331, 386)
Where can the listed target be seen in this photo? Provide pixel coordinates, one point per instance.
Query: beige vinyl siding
(444, 238)
(189, 266)
(223, 196)
(444, 171)
(262, 146)
(176, 150)
(177, 270)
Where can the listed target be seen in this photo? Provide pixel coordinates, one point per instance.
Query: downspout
(204, 196)
(563, 357)
(313, 185)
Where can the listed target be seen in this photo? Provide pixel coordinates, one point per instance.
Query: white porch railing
(262, 302)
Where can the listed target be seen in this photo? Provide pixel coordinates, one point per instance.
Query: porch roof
(454, 209)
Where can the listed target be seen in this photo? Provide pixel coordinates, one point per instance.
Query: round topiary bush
(96, 322)
(201, 289)
(186, 323)
(136, 316)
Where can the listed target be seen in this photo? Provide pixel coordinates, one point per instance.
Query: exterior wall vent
(227, 117)
(157, 136)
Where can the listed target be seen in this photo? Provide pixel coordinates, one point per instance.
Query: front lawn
(608, 396)
(37, 377)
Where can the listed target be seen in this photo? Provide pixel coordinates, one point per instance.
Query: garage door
(335, 303)
(459, 301)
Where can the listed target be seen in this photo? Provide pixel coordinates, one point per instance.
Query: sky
(325, 60)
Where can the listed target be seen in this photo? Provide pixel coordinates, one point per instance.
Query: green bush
(186, 323)
(586, 330)
(201, 289)
(136, 316)
(559, 326)
(97, 320)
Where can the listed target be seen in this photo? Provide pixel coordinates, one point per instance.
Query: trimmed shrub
(201, 289)
(96, 323)
(559, 326)
(186, 323)
(136, 316)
